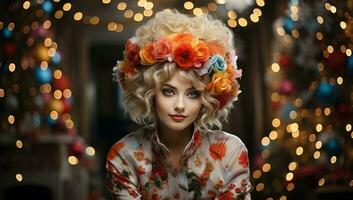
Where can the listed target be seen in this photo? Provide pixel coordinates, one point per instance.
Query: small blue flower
(216, 62)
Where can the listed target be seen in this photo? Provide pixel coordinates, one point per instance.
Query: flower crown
(188, 52)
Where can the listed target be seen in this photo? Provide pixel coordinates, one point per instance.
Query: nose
(179, 104)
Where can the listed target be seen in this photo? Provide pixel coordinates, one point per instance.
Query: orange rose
(184, 56)
(202, 52)
(184, 38)
(220, 83)
(146, 54)
(216, 48)
(162, 48)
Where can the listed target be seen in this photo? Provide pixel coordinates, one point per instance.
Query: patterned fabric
(213, 166)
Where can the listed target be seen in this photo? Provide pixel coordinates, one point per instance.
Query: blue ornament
(6, 32)
(288, 24)
(47, 6)
(43, 76)
(327, 93)
(56, 58)
(333, 147)
(350, 65)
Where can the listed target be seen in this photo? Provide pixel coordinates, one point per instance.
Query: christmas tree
(307, 154)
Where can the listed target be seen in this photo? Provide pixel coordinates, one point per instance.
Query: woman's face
(178, 103)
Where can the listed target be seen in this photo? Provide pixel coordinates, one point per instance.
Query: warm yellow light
(265, 141)
(72, 160)
(348, 52)
(232, 14)
(333, 159)
(54, 115)
(47, 42)
(58, 74)
(119, 28)
(67, 6)
(128, 13)
(319, 19)
(330, 49)
(58, 94)
(299, 151)
(318, 145)
(138, 17)
(19, 177)
(327, 111)
(273, 135)
(149, 5)
(59, 14)
(221, 1)
(12, 67)
(242, 22)
(283, 198)
(106, 1)
(254, 18)
(67, 93)
(148, 13)
(294, 9)
(69, 124)
(94, 20)
(319, 36)
(327, 6)
(317, 155)
(276, 122)
(260, 187)
(295, 134)
(197, 11)
(351, 183)
(319, 128)
(321, 182)
(266, 167)
(46, 88)
(2, 92)
(141, 3)
(11, 119)
(188, 5)
(90, 151)
(294, 17)
(293, 114)
(121, 6)
(232, 23)
(78, 16)
(348, 127)
(290, 186)
(275, 97)
(51, 52)
(292, 166)
(289, 176)
(26, 5)
(260, 3)
(257, 174)
(339, 80)
(257, 12)
(212, 6)
(19, 144)
(312, 137)
(275, 67)
(333, 9)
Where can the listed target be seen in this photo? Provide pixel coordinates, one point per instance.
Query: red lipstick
(178, 118)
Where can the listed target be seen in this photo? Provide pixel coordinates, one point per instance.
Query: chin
(177, 127)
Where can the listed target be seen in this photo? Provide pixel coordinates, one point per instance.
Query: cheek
(195, 107)
(161, 103)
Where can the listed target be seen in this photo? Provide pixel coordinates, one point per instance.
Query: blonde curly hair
(139, 96)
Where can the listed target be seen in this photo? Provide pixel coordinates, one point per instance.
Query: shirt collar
(190, 148)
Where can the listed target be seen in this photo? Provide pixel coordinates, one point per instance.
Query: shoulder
(131, 141)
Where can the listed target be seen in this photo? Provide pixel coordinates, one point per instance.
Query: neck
(175, 140)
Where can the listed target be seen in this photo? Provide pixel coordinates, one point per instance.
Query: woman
(179, 76)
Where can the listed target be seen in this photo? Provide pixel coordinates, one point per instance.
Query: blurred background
(60, 111)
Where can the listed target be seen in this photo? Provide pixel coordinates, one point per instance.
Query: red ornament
(10, 49)
(284, 61)
(76, 148)
(62, 83)
(337, 60)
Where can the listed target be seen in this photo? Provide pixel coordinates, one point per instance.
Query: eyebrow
(168, 85)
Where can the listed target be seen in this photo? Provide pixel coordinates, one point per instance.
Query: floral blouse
(213, 166)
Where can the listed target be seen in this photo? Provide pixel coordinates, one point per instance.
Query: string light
(90, 151)
(19, 177)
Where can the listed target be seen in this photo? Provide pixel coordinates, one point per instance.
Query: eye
(167, 91)
(193, 94)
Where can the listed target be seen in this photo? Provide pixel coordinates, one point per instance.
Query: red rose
(162, 48)
(184, 56)
(132, 52)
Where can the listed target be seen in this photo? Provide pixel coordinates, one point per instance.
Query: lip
(178, 118)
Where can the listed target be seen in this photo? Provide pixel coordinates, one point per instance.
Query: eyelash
(170, 92)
